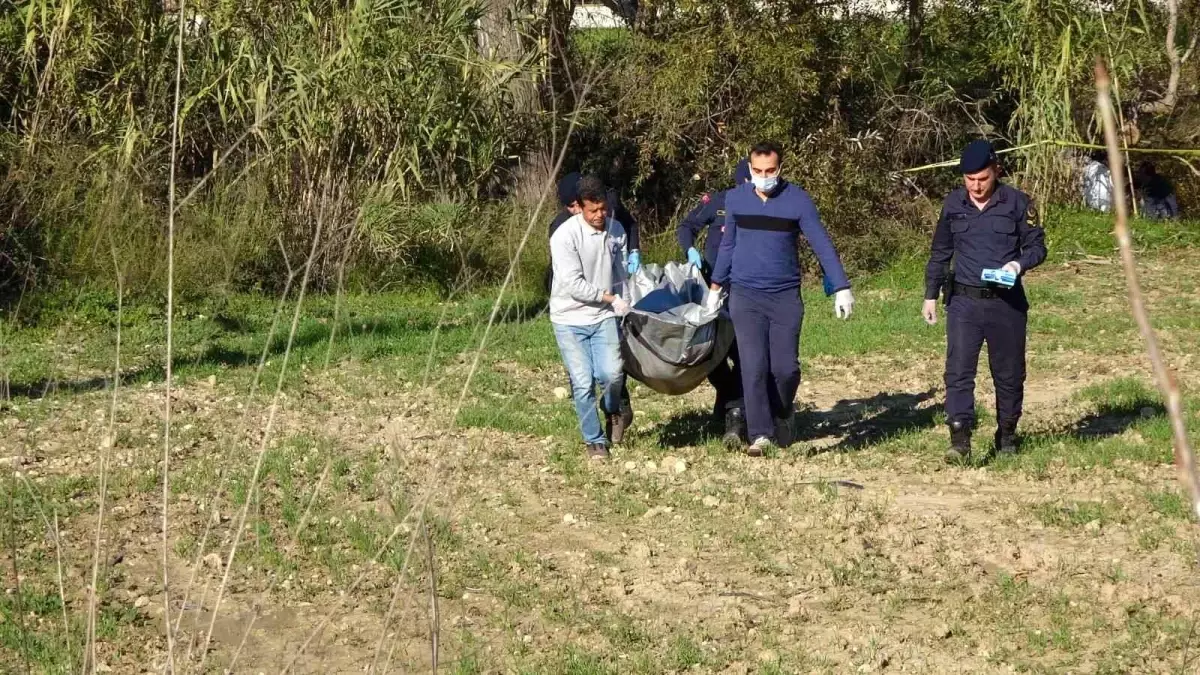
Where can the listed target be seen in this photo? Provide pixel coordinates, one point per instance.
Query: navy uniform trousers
(1001, 323)
(726, 378)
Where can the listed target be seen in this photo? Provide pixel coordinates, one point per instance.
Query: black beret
(741, 174)
(568, 188)
(977, 156)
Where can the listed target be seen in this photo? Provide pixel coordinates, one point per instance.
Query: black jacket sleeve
(939, 257)
(561, 217)
(694, 223)
(622, 215)
(1033, 240)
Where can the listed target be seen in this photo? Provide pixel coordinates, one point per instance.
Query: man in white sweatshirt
(587, 255)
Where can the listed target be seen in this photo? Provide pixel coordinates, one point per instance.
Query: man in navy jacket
(726, 380)
(759, 259)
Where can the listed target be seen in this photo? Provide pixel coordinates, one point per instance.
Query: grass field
(384, 513)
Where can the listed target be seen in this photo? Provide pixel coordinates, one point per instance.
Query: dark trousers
(726, 378)
(768, 336)
(1001, 323)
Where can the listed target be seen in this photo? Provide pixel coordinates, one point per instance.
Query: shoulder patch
(705, 198)
(1033, 217)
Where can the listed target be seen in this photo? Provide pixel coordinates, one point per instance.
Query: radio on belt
(1000, 277)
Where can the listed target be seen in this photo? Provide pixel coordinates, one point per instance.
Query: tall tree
(504, 38)
(1170, 97)
(533, 31)
(913, 37)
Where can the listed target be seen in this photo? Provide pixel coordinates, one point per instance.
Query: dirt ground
(855, 551)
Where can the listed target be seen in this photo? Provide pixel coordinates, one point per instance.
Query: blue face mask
(765, 183)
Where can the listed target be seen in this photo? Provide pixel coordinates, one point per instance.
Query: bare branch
(1167, 103)
(322, 214)
(295, 542)
(1184, 458)
(166, 460)
(387, 622)
(107, 443)
(16, 575)
(1190, 166)
(434, 616)
(1191, 48)
(54, 533)
(421, 505)
(62, 593)
(387, 543)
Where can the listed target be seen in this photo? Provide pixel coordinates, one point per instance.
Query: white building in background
(591, 14)
(870, 7)
(594, 14)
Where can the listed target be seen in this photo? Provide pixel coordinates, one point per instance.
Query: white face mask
(765, 183)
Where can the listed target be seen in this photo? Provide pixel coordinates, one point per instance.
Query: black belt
(981, 292)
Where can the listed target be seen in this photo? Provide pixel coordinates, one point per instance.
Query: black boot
(626, 411)
(960, 443)
(1006, 438)
(735, 429)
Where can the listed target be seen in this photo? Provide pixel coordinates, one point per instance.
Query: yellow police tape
(1182, 152)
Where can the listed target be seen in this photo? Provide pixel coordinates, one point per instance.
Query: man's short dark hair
(767, 148)
(591, 189)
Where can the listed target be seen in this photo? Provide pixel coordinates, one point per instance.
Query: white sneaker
(761, 446)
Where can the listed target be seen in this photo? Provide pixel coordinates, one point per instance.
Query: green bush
(349, 124)
(384, 134)
(853, 100)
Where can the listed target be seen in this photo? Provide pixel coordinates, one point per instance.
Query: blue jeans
(592, 355)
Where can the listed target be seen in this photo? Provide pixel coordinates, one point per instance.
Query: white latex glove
(843, 303)
(1014, 267)
(620, 306)
(713, 300)
(929, 312)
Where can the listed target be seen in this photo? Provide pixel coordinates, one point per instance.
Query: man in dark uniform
(1158, 195)
(570, 205)
(985, 225)
(726, 380)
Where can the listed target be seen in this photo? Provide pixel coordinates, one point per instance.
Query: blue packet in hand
(1000, 277)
